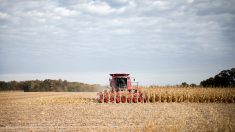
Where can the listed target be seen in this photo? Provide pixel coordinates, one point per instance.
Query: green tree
(184, 84)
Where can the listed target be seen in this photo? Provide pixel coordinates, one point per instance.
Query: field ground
(60, 111)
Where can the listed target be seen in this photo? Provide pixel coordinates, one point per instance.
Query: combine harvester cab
(123, 90)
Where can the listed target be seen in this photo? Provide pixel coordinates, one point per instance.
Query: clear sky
(158, 41)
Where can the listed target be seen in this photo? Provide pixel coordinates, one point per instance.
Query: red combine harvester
(123, 90)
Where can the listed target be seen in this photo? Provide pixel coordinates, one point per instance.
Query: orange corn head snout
(120, 97)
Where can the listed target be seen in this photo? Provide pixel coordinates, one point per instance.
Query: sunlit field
(43, 111)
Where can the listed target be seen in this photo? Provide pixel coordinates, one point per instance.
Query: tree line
(225, 78)
(49, 85)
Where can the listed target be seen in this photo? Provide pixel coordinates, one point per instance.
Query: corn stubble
(61, 111)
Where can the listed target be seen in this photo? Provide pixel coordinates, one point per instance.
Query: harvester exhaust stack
(123, 90)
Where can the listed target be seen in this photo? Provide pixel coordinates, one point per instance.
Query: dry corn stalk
(197, 95)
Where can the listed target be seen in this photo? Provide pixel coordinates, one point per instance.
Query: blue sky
(158, 41)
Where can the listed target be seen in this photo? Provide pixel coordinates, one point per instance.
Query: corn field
(78, 111)
(197, 95)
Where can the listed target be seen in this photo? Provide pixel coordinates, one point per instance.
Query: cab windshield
(121, 82)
